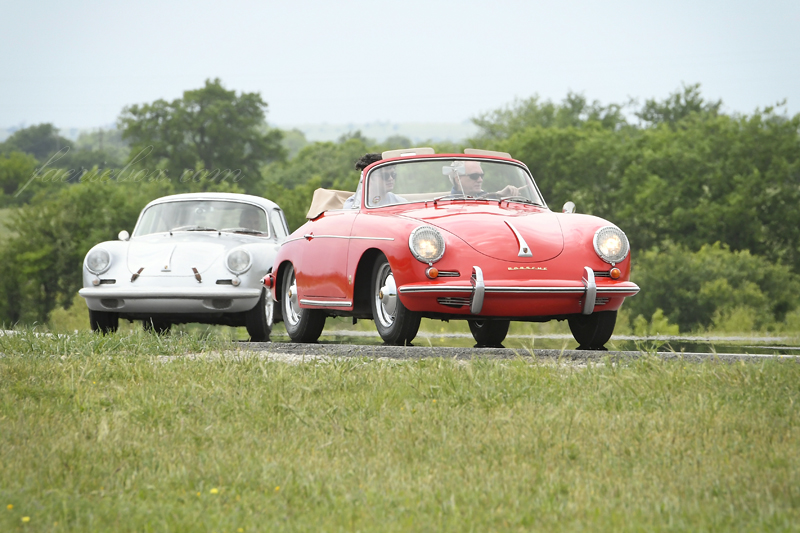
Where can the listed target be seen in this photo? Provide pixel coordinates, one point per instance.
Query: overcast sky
(77, 64)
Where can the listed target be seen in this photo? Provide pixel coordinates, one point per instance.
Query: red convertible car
(450, 236)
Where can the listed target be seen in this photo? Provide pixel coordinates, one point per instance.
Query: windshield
(203, 215)
(420, 180)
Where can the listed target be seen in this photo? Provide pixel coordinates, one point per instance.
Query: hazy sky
(77, 64)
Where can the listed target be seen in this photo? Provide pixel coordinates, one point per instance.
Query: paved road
(418, 352)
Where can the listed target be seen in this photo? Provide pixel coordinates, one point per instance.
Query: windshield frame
(448, 157)
(268, 234)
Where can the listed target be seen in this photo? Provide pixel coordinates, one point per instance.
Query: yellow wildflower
(9, 506)
(277, 489)
(214, 491)
(26, 519)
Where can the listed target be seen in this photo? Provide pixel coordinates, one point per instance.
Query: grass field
(127, 433)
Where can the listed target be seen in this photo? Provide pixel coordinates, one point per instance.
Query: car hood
(490, 229)
(175, 255)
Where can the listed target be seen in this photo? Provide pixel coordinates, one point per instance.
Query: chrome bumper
(477, 290)
(171, 293)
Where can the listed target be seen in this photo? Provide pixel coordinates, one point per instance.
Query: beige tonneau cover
(326, 200)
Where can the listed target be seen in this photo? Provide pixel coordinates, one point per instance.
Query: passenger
(354, 202)
(467, 179)
(381, 185)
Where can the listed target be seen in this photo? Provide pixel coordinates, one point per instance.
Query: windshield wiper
(523, 199)
(192, 228)
(244, 230)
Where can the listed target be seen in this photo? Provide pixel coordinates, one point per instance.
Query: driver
(251, 218)
(467, 179)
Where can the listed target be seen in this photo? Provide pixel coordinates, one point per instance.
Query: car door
(324, 257)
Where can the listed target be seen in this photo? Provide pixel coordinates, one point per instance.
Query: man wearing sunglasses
(467, 179)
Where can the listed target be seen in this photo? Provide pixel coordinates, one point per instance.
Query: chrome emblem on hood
(527, 268)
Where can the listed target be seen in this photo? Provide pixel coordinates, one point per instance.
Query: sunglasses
(392, 175)
(476, 176)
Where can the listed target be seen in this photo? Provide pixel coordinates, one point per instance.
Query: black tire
(489, 332)
(103, 321)
(258, 320)
(395, 323)
(160, 327)
(302, 325)
(593, 331)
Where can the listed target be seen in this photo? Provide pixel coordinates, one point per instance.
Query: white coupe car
(197, 257)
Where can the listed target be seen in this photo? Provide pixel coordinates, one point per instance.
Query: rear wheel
(258, 320)
(302, 325)
(593, 331)
(159, 326)
(395, 323)
(489, 332)
(103, 321)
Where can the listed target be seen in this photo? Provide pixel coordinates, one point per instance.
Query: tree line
(708, 199)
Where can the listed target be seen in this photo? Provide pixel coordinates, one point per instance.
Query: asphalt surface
(295, 351)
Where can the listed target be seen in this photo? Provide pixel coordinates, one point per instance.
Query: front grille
(601, 301)
(602, 274)
(450, 301)
(107, 281)
(449, 273)
(224, 282)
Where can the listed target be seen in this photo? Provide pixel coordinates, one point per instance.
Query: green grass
(120, 433)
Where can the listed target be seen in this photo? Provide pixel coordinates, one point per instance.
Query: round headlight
(611, 244)
(238, 261)
(427, 244)
(98, 261)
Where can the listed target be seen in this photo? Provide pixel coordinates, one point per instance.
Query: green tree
(209, 134)
(696, 287)
(42, 261)
(41, 141)
(678, 105)
(16, 170)
(574, 111)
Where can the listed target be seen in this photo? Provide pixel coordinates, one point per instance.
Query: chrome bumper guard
(478, 290)
(591, 291)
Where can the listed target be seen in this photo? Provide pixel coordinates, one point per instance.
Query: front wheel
(302, 325)
(489, 333)
(103, 321)
(593, 331)
(258, 320)
(395, 323)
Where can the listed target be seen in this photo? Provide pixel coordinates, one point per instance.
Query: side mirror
(123, 235)
(569, 207)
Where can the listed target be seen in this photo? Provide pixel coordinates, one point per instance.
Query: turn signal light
(615, 273)
(268, 281)
(432, 272)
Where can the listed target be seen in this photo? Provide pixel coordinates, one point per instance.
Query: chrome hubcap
(386, 296)
(291, 304)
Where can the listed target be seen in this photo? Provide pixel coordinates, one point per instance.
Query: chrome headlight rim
(248, 264)
(600, 238)
(93, 253)
(437, 237)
